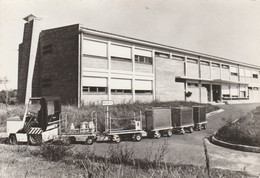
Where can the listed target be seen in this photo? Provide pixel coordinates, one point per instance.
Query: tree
(4, 81)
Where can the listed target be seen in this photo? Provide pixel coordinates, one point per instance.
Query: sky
(224, 28)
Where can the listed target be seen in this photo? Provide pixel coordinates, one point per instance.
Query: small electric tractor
(40, 122)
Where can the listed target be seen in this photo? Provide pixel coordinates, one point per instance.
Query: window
(215, 65)
(143, 91)
(163, 55)
(255, 76)
(46, 83)
(233, 74)
(195, 61)
(90, 89)
(225, 66)
(178, 58)
(205, 63)
(47, 49)
(120, 91)
(192, 84)
(143, 59)
(120, 59)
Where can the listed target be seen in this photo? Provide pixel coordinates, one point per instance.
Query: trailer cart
(158, 122)
(133, 131)
(87, 132)
(182, 119)
(199, 117)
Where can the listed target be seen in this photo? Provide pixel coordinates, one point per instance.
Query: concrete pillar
(154, 75)
(109, 70)
(133, 69)
(211, 93)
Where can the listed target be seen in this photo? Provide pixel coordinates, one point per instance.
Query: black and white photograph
(130, 88)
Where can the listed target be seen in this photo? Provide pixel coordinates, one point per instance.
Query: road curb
(239, 147)
(214, 112)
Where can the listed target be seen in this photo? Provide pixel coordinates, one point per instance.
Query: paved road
(188, 148)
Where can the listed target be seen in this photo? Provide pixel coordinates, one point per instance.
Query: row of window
(114, 91)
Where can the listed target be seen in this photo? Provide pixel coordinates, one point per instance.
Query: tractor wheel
(190, 129)
(169, 133)
(35, 139)
(182, 131)
(204, 126)
(89, 141)
(138, 137)
(12, 140)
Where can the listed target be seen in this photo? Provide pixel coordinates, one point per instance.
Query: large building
(85, 66)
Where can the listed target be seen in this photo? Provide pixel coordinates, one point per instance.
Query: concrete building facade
(85, 66)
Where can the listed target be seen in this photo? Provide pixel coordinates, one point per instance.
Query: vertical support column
(220, 67)
(210, 70)
(211, 93)
(80, 68)
(185, 66)
(229, 72)
(109, 70)
(154, 75)
(200, 80)
(133, 69)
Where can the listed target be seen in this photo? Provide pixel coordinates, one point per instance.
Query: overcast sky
(224, 28)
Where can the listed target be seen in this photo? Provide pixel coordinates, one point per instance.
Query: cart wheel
(138, 137)
(12, 140)
(89, 141)
(182, 131)
(199, 127)
(35, 139)
(204, 126)
(169, 133)
(157, 134)
(190, 129)
(72, 140)
(118, 139)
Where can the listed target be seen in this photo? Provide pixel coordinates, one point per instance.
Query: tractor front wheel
(12, 140)
(89, 141)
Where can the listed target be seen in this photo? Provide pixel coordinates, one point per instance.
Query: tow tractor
(38, 124)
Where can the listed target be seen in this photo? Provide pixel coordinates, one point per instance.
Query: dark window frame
(121, 91)
(143, 59)
(94, 89)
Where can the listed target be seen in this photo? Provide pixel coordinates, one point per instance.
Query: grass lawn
(245, 131)
(58, 160)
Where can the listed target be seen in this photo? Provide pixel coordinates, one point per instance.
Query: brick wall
(23, 61)
(145, 68)
(60, 65)
(93, 98)
(205, 71)
(93, 62)
(192, 70)
(117, 98)
(121, 65)
(167, 89)
(215, 72)
(225, 73)
(144, 98)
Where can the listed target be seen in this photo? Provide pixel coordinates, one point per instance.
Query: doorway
(216, 92)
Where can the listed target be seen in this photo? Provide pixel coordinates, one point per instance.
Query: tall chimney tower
(27, 56)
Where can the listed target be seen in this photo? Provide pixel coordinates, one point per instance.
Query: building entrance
(216, 92)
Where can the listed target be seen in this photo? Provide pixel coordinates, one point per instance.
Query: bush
(245, 131)
(55, 151)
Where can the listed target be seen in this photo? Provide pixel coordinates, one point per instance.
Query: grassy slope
(245, 131)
